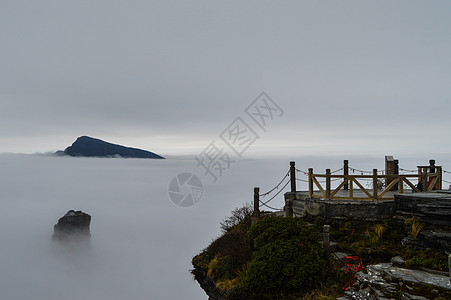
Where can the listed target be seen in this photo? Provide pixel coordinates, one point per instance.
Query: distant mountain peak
(86, 146)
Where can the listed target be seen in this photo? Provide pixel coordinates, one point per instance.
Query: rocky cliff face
(91, 147)
(73, 229)
(432, 207)
(207, 284)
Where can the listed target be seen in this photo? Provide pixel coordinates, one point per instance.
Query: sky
(354, 77)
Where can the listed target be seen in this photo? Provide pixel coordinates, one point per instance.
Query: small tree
(237, 216)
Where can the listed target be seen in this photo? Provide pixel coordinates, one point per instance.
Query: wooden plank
(375, 184)
(351, 188)
(327, 183)
(310, 182)
(388, 187)
(362, 198)
(432, 184)
(414, 188)
(337, 189)
(362, 188)
(319, 186)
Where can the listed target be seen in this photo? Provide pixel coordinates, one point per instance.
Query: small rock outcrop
(90, 147)
(72, 227)
(385, 281)
(433, 207)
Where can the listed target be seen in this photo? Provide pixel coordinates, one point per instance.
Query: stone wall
(432, 207)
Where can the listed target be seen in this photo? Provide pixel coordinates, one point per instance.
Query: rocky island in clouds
(86, 146)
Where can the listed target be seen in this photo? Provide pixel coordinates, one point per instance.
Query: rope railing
(301, 171)
(342, 168)
(407, 170)
(266, 202)
(364, 171)
(276, 187)
(270, 207)
(348, 177)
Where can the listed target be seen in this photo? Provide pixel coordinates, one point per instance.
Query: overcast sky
(350, 76)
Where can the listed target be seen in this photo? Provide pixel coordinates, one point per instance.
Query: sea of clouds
(142, 243)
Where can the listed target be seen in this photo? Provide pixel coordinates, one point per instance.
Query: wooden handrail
(351, 179)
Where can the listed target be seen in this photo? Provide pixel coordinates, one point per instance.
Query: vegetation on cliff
(276, 258)
(281, 258)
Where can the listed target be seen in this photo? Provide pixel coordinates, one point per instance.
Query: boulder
(73, 226)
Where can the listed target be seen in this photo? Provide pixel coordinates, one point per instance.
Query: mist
(141, 243)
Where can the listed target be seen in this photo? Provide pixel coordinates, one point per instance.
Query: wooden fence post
(424, 179)
(396, 186)
(375, 184)
(310, 183)
(432, 171)
(327, 183)
(439, 180)
(293, 176)
(432, 164)
(346, 173)
(256, 213)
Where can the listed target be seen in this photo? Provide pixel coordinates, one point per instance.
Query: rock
(413, 297)
(434, 239)
(91, 147)
(340, 256)
(207, 284)
(72, 227)
(433, 207)
(386, 281)
(398, 261)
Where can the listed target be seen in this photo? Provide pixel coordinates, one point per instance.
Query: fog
(142, 243)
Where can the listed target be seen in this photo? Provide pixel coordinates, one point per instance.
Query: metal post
(395, 187)
(346, 173)
(327, 183)
(256, 213)
(326, 238)
(293, 176)
(375, 184)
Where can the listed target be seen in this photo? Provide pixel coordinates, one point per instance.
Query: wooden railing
(427, 181)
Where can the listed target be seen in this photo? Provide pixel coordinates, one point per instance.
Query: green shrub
(233, 243)
(271, 229)
(287, 258)
(224, 267)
